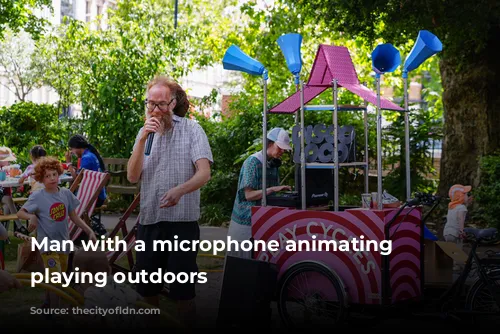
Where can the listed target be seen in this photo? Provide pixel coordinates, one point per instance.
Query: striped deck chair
(128, 236)
(89, 184)
(2, 260)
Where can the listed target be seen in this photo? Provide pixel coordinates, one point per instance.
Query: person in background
(89, 159)
(457, 212)
(36, 153)
(6, 157)
(249, 191)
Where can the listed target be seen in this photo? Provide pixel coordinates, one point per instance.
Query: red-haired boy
(49, 210)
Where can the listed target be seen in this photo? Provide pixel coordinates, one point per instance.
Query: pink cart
(322, 284)
(316, 287)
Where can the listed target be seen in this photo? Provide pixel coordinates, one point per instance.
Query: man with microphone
(171, 158)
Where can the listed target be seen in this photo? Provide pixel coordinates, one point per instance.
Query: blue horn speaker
(426, 46)
(385, 58)
(290, 47)
(237, 60)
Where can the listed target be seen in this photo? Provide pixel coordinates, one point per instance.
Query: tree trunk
(471, 103)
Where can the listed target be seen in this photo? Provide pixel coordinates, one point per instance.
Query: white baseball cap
(280, 137)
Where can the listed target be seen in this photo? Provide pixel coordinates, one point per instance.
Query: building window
(67, 9)
(88, 6)
(100, 13)
(112, 4)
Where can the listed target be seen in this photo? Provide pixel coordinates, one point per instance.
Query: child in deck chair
(48, 210)
(110, 296)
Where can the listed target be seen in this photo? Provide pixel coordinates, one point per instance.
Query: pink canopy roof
(332, 62)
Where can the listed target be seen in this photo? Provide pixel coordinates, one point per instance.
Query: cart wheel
(480, 298)
(310, 295)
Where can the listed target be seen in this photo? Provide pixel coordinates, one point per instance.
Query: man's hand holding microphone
(151, 126)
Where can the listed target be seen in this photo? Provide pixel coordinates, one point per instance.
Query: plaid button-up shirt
(171, 163)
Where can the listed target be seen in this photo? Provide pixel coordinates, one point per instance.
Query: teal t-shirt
(251, 177)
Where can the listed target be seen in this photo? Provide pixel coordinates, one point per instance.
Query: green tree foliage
(26, 124)
(236, 137)
(463, 26)
(19, 15)
(107, 70)
(469, 32)
(487, 195)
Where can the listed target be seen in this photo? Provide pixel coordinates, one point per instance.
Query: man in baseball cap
(280, 137)
(249, 191)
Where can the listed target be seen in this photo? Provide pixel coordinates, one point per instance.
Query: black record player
(319, 191)
(284, 199)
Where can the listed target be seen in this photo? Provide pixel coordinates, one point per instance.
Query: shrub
(487, 195)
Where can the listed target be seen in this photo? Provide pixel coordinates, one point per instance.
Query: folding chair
(89, 184)
(2, 260)
(128, 236)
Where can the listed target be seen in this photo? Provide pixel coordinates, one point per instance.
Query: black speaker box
(319, 185)
(248, 288)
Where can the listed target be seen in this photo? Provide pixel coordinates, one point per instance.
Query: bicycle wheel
(480, 299)
(310, 295)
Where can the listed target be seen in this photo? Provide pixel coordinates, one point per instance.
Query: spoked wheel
(310, 295)
(480, 299)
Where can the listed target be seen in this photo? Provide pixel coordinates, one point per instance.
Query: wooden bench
(19, 200)
(6, 218)
(118, 182)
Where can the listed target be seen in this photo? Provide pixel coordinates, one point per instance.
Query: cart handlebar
(419, 199)
(423, 199)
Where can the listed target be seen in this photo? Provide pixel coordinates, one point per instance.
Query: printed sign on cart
(319, 140)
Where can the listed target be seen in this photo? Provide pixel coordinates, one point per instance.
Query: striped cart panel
(359, 269)
(405, 265)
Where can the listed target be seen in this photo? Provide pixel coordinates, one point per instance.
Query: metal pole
(302, 148)
(407, 137)
(297, 166)
(379, 147)
(335, 148)
(175, 15)
(264, 143)
(367, 167)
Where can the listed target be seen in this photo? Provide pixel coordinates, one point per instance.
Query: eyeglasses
(163, 106)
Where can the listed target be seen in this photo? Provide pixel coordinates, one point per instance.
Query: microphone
(149, 143)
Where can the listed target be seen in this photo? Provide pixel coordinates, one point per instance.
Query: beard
(165, 119)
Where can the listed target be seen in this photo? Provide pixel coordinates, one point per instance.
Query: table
(11, 182)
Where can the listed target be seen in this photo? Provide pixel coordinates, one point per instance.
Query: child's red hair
(44, 164)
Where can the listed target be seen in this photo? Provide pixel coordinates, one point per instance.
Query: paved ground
(207, 294)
